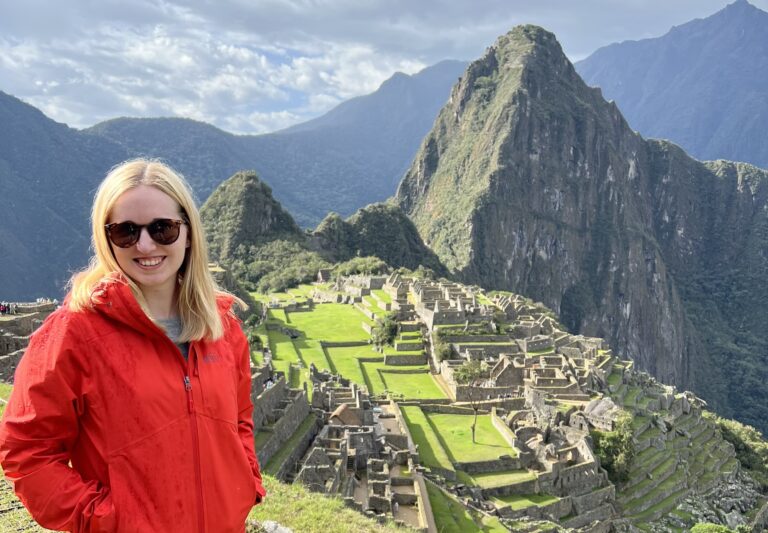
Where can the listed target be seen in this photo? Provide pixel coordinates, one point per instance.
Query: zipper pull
(188, 388)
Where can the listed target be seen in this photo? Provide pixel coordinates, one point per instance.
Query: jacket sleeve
(39, 428)
(245, 408)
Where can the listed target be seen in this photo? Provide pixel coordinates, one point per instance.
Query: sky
(255, 66)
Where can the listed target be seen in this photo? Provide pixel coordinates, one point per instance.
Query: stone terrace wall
(266, 402)
(292, 418)
(298, 452)
(8, 364)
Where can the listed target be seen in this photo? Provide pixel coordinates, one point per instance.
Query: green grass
(331, 322)
(523, 501)
(380, 378)
(496, 479)
(452, 517)
(345, 361)
(261, 438)
(295, 507)
(311, 352)
(273, 465)
(383, 296)
(631, 398)
(420, 386)
(456, 436)
(14, 517)
(431, 452)
(5, 393)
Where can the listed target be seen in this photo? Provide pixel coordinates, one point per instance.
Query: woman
(131, 407)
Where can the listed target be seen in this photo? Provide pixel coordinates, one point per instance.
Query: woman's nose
(146, 243)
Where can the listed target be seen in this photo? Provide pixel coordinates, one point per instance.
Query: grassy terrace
(455, 434)
(295, 507)
(452, 517)
(496, 479)
(523, 501)
(383, 296)
(330, 322)
(431, 451)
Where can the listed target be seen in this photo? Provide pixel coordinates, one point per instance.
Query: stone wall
(501, 464)
(405, 360)
(8, 364)
(298, 451)
(558, 509)
(294, 415)
(594, 499)
(265, 403)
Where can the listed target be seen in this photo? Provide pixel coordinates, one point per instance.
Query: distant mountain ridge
(703, 85)
(530, 181)
(352, 156)
(340, 162)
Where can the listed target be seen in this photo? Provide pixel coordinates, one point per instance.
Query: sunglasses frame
(176, 222)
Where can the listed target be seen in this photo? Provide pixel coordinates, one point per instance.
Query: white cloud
(251, 66)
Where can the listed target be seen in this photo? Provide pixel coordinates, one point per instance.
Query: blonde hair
(197, 289)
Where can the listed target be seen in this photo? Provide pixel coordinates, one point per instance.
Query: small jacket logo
(211, 358)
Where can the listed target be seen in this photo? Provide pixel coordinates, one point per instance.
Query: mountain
(48, 174)
(353, 155)
(380, 230)
(704, 85)
(348, 158)
(241, 213)
(251, 234)
(530, 181)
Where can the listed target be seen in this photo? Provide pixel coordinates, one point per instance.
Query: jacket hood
(114, 298)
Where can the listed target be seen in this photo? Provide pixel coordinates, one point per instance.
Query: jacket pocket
(153, 483)
(218, 385)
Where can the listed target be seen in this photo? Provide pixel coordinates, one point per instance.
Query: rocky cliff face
(531, 181)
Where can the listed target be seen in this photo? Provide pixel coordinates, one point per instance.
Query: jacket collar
(114, 298)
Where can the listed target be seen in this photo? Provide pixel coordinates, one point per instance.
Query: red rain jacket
(156, 443)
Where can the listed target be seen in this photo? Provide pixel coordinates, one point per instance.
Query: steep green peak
(242, 213)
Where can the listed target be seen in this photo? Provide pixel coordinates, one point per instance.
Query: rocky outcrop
(530, 181)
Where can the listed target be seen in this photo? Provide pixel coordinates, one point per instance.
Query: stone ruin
(15, 331)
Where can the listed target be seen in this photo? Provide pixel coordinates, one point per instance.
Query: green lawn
(311, 352)
(277, 315)
(383, 296)
(523, 501)
(331, 322)
(495, 479)
(456, 436)
(420, 386)
(431, 451)
(345, 361)
(295, 507)
(380, 378)
(452, 517)
(5, 393)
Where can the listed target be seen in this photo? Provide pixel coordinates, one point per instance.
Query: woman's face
(152, 266)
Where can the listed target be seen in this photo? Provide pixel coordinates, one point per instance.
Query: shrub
(615, 449)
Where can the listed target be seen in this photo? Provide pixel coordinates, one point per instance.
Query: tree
(385, 331)
(472, 374)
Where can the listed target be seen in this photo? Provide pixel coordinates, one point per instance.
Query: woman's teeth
(150, 262)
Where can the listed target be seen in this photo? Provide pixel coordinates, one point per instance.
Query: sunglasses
(163, 231)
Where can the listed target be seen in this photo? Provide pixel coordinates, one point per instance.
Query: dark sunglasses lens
(164, 231)
(124, 235)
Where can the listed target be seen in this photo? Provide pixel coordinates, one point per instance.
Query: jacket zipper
(195, 443)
